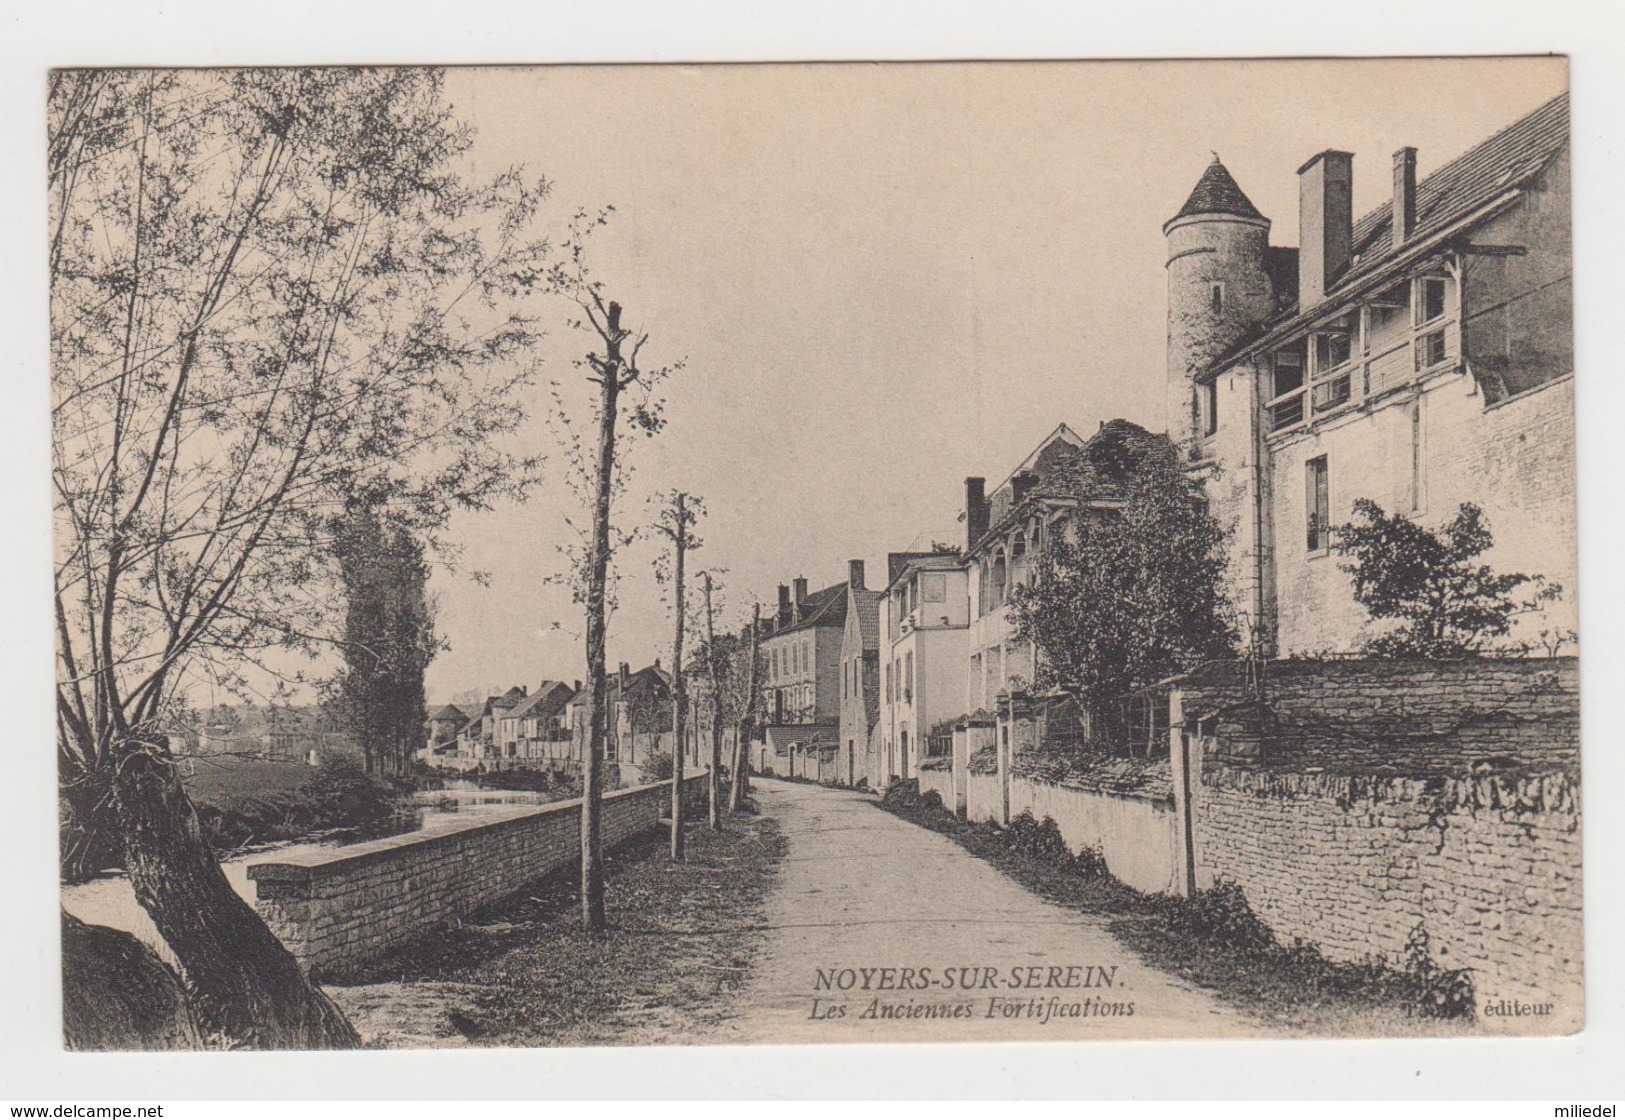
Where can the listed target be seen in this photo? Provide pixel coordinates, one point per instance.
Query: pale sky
(884, 278)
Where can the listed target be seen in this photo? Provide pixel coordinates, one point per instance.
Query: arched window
(1018, 560)
(1000, 578)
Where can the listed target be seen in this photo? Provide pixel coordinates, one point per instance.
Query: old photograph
(554, 556)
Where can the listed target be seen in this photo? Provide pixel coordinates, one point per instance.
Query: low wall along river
(337, 909)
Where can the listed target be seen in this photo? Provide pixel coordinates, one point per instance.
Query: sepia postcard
(814, 553)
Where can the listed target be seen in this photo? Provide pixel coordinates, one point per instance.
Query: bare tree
(271, 294)
(676, 521)
(613, 369)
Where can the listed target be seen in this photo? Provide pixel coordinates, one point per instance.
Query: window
(888, 682)
(1431, 292)
(1286, 407)
(1210, 407)
(908, 676)
(1215, 295)
(1431, 350)
(1318, 502)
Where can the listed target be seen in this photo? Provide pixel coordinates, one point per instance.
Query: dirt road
(884, 931)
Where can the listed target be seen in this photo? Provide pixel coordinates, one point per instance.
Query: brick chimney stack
(975, 511)
(801, 590)
(1404, 208)
(783, 617)
(625, 675)
(854, 574)
(1325, 224)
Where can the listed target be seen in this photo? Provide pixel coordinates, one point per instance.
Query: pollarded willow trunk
(245, 988)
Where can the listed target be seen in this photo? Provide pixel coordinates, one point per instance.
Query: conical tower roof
(1217, 193)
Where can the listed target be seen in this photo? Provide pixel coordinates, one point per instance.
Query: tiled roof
(868, 604)
(1217, 193)
(548, 697)
(1506, 160)
(447, 712)
(1096, 470)
(826, 607)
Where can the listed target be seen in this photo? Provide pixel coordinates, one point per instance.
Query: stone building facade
(1421, 357)
(860, 678)
(927, 614)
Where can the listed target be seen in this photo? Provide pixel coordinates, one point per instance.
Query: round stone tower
(1219, 289)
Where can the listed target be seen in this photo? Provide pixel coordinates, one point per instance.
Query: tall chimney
(854, 574)
(801, 590)
(1325, 224)
(1404, 209)
(783, 616)
(975, 511)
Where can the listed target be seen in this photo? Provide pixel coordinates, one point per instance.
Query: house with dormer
(1419, 355)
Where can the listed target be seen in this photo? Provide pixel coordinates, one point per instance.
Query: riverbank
(525, 974)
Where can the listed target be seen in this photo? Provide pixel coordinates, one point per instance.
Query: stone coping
(320, 864)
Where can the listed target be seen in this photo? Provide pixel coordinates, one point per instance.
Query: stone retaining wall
(338, 909)
(1489, 866)
(1406, 716)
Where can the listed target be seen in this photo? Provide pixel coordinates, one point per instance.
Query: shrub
(1223, 914)
(1448, 604)
(1436, 992)
(905, 793)
(1038, 840)
(656, 767)
(339, 794)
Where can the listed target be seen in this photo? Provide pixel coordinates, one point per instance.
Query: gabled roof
(447, 713)
(1507, 160)
(648, 677)
(825, 607)
(1096, 469)
(549, 698)
(1217, 192)
(866, 605)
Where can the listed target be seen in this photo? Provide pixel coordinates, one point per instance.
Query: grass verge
(1213, 939)
(525, 974)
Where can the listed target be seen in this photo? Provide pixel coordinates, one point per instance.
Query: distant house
(274, 732)
(1005, 531)
(860, 677)
(926, 617)
(639, 706)
(539, 728)
(477, 739)
(802, 652)
(443, 725)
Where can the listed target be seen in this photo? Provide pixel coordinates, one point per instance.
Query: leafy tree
(272, 292)
(1127, 596)
(389, 640)
(1429, 581)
